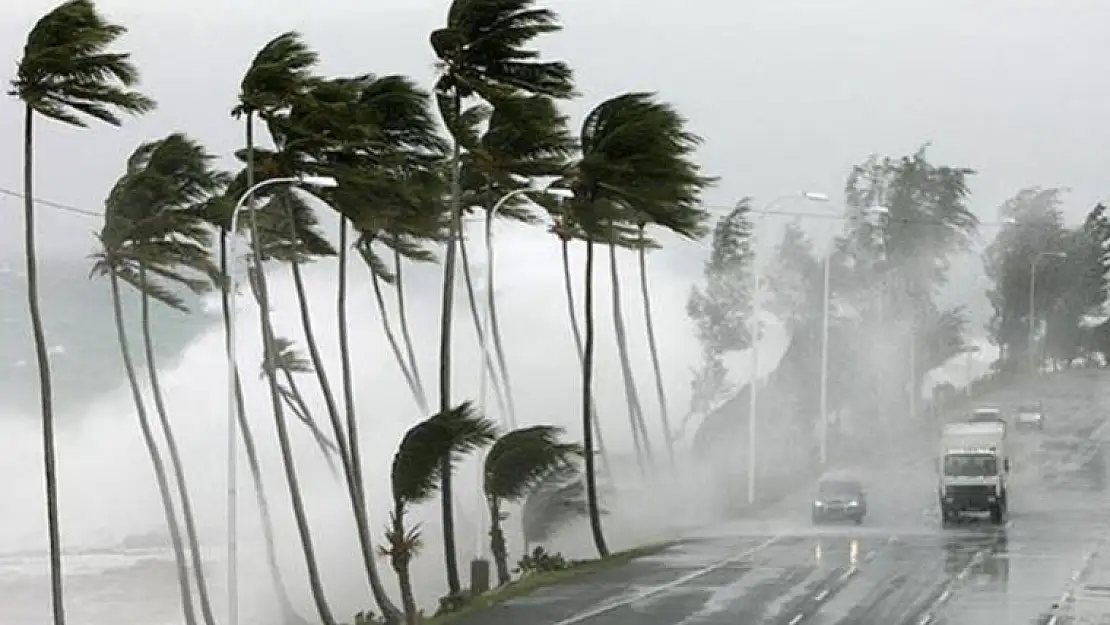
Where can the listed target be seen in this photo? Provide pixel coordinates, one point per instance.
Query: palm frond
(521, 459)
(417, 465)
(287, 358)
(558, 500)
(68, 74)
(281, 69)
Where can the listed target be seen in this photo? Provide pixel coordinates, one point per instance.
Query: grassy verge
(531, 583)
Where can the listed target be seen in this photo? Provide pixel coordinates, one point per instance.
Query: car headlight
(853, 503)
(818, 504)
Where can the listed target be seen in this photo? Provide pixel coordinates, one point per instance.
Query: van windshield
(970, 465)
(839, 487)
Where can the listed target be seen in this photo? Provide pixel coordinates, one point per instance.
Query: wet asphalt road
(900, 567)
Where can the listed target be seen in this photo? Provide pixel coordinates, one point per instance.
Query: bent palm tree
(481, 52)
(415, 476)
(66, 74)
(518, 463)
(636, 159)
(280, 71)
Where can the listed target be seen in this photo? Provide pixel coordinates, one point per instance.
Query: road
(900, 567)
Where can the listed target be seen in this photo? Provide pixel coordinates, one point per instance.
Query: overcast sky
(788, 93)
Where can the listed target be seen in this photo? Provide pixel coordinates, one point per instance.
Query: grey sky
(788, 93)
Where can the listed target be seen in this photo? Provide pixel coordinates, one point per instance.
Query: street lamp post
(320, 182)
(1032, 303)
(971, 351)
(753, 332)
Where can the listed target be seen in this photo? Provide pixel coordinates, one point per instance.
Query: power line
(57, 205)
(786, 213)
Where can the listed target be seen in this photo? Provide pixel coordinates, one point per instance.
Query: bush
(454, 602)
(542, 561)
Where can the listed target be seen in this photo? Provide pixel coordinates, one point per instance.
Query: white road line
(821, 595)
(651, 592)
(947, 592)
(797, 619)
(1075, 577)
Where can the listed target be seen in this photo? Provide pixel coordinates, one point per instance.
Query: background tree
(482, 54)
(67, 74)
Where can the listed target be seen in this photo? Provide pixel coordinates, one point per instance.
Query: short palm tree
(155, 240)
(517, 464)
(635, 160)
(416, 475)
(482, 53)
(67, 74)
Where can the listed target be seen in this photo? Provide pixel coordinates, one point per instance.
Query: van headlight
(853, 503)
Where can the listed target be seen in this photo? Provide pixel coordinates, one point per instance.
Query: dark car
(839, 497)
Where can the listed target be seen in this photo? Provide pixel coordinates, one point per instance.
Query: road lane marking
(842, 580)
(931, 609)
(821, 595)
(1075, 577)
(651, 592)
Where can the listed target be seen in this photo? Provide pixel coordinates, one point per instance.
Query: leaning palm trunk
(568, 286)
(653, 349)
(403, 321)
(494, 327)
(176, 466)
(42, 356)
(499, 393)
(155, 459)
(376, 587)
(632, 396)
(395, 347)
(587, 406)
(316, 586)
(343, 440)
(447, 503)
(280, 591)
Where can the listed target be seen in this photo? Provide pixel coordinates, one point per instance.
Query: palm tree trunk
(587, 407)
(499, 393)
(568, 286)
(342, 438)
(175, 463)
(631, 394)
(653, 349)
(447, 503)
(390, 611)
(495, 327)
(498, 546)
(280, 590)
(400, 558)
(155, 459)
(394, 346)
(316, 586)
(42, 356)
(403, 321)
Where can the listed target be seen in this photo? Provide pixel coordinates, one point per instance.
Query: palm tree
(280, 71)
(415, 476)
(290, 361)
(635, 161)
(67, 74)
(150, 228)
(217, 212)
(482, 53)
(518, 463)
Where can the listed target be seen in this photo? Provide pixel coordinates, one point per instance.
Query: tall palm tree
(415, 476)
(281, 70)
(636, 159)
(217, 212)
(518, 463)
(482, 53)
(150, 227)
(67, 74)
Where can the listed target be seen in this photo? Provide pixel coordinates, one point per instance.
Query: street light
(320, 182)
(1032, 302)
(753, 331)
